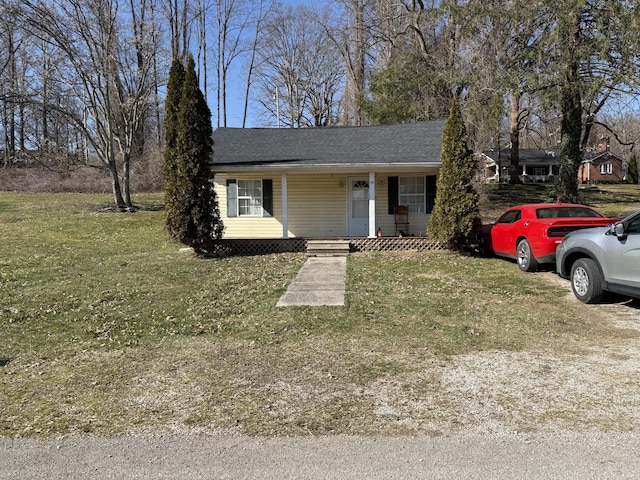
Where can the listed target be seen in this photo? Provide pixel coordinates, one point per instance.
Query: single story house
(535, 164)
(325, 182)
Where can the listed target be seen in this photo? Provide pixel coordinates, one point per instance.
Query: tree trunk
(571, 108)
(571, 155)
(115, 187)
(514, 137)
(5, 121)
(126, 179)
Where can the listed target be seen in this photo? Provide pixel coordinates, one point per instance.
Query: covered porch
(317, 204)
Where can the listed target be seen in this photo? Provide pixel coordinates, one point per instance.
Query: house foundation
(242, 247)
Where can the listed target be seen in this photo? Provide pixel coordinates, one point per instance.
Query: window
(606, 169)
(411, 192)
(249, 198)
(418, 193)
(566, 212)
(510, 216)
(634, 225)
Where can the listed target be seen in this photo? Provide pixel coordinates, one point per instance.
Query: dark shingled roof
(538, 156)
(526, 156)
(394, 145)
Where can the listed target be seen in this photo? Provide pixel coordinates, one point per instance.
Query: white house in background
(325, 182)
(535, 164)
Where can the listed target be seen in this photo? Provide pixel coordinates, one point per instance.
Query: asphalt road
(540, 456)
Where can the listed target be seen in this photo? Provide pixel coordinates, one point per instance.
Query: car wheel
(526, 261)
(586, 281)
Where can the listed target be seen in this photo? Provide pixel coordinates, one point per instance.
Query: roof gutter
(328, 167)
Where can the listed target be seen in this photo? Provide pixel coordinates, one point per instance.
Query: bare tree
(8, 86)
(503, 39)
(301, 71)
(352, 37)
(261, 9)
(108, 68)
(237, 26)
(179, 23)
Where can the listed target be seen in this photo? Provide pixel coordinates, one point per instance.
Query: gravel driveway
(500, 415)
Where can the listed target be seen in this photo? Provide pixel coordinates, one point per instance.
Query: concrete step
(327, 248)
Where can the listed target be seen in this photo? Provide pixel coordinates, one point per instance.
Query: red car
(531, 233)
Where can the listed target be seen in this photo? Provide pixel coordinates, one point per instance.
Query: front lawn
(106, 327)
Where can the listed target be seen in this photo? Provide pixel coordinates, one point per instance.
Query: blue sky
(237, 84)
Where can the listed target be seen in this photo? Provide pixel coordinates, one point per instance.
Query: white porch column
(285, 207)
(372, 204)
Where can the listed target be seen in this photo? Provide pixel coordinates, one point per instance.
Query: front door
(358, 208)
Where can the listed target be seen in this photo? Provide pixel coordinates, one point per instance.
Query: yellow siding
(317, 207)
(417, 221)
(250, 227)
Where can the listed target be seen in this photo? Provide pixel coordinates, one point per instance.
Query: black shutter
(267, 198)
(393, 193)
(232, 198)
(431, 192)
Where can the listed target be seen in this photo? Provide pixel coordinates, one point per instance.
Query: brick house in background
(600, 165)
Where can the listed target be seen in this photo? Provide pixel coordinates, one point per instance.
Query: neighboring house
(601, 165)
(535, 165)
(325, 181)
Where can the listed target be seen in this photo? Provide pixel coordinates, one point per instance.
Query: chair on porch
(401, 220)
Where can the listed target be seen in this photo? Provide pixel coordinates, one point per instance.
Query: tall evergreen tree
(456, 210)
(193, 217)
(172, 106)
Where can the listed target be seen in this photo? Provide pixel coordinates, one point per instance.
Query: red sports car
(531, 233)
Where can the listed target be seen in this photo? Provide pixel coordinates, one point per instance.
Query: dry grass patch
(105, 327)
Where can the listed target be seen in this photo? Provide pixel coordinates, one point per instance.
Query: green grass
(614, 200)
(106, 327)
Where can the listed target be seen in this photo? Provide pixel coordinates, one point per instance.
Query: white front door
(358, 208)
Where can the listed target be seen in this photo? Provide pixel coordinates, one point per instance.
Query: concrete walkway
(319, 282)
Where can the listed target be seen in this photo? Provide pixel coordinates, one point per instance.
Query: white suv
(602, 259)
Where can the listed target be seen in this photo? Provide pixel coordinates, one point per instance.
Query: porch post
(285, 208)
(372, 204)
